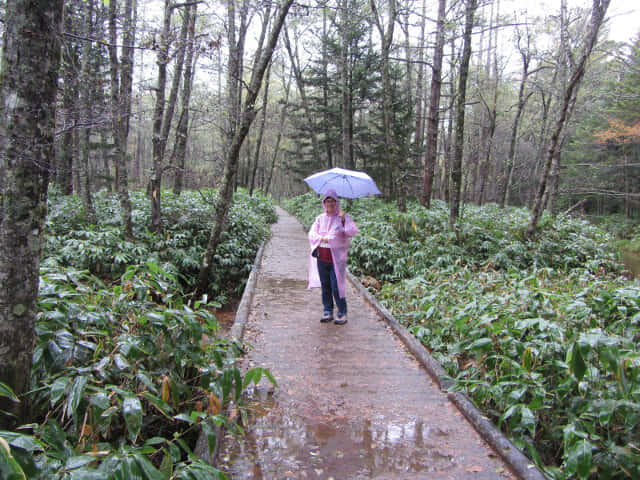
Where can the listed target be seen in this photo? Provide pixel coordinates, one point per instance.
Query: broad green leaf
(237, 382)
(5, 391)
(248, 377)
(88, 474)
(150, 472)
(101, 401)
(175, 453)
(209, 431)
(146, 381)
(227, 384)
(75, 395)
(163, 407)
(25, 442)
(480, 344)
(132, 412)
(184, 417)
(271, 378)
(528, 420)
(155, 441)
(121, 363)
(57, 389)
(576, 361)
(79, 461)
(9, 467)
(579, 458)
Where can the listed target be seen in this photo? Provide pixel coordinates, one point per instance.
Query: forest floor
(351, 401)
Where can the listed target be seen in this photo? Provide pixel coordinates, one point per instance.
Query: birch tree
(261, 128)
(456, 167)
(345, 72)
(69, 74)
(155, 184)
(276, 148)
(297, 74)
(86, 107)
(121, 91)
(433, 116)
(165, 108)
(183, 123)
(525, 55)
(598, 11)
(246, 116)
(390, 143)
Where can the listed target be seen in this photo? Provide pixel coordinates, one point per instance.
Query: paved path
(351, 403)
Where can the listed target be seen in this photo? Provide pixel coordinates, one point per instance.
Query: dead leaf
(166, 392)
(215, 407)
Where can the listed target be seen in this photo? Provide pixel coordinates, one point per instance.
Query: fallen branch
(577, 205)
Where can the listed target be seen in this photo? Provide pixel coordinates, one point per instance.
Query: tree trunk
(390, 146)
(155, 183)
(87, 114)
(420, 100)
(433, 118)
(345, 86)
(490, 115)
(263, 121)
(121, 91)
(526, 58)
(295, 67)
(177, 78)
(276, 148)
(326, 123)
(235, 68)
(225, 197)
(29, 79)
(597, 17)
(456, 167)
(183, 124)
(541, 142)
(408, 162)
(64, 168)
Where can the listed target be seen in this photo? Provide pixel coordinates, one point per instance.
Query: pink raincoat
(339, 239)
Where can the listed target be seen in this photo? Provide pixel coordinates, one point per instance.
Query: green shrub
(102, 250)
(125, 376)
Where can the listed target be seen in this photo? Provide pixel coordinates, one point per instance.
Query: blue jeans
(329, 285)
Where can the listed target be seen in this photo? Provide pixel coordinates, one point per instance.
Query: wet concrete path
(352, 402)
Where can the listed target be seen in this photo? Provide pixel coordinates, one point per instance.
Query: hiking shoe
(341, 320)
(326, 317)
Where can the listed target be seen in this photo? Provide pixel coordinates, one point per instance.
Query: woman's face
(330, 205)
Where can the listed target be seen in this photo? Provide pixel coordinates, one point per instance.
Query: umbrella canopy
(346, 183)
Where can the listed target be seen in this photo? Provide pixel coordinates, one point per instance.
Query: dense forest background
(351, 83)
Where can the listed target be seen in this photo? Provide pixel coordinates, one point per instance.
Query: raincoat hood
(331, 193)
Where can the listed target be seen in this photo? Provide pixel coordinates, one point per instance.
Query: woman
(329, 238)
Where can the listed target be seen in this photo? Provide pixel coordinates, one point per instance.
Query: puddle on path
(283, 285)
(290, 441)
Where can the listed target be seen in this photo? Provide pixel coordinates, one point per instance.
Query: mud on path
(351, 402)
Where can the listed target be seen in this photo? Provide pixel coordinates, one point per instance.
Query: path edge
(521, 465)
(237, 332)
(242, 312)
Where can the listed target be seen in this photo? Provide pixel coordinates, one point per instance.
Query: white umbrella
(346, 183)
